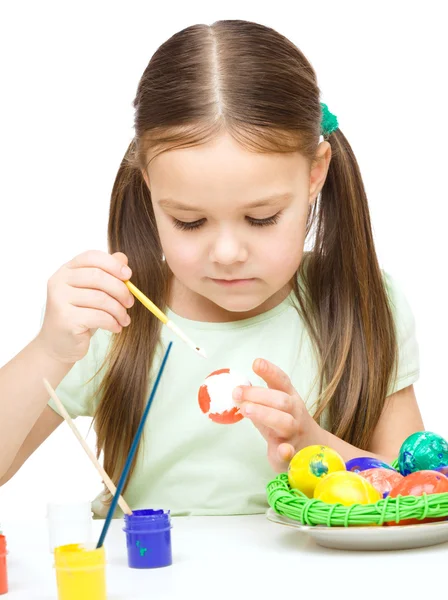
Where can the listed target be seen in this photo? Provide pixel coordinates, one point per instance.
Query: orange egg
(417, 484)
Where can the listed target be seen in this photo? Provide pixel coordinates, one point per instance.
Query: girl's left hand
(278, 412)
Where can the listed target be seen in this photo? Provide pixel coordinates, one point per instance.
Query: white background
(69, 73)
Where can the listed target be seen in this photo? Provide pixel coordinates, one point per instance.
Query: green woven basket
(309, 511)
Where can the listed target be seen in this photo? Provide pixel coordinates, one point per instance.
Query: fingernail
(237, 393)
(247, 410)
(126, 272)
(261, 364)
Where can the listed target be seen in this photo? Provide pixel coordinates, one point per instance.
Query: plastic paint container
(80, 572)
(3, 569)
(69, 523)
(148, 538)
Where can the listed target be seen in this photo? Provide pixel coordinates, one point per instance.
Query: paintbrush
(105, 477)
(132, 451)
(160, 315)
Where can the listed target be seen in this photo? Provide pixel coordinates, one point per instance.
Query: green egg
(422, 450)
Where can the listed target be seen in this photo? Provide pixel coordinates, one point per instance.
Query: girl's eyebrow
(171, 203)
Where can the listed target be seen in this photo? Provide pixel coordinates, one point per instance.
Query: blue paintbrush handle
(132, 452)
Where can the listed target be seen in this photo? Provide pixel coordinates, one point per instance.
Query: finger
(269, 435)
(111, 263)
(98, 279)
(274, 377)
(282, 423)
(264, 396)
(121, 257)
(286, 452)
(96, 299)
(91, 318)
(282, 449)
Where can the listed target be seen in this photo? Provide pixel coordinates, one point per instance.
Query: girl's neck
(190, 305)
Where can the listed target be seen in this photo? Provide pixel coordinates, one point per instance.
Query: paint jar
(3, 568)
(148, 539)
(80, 572)
(69, 523)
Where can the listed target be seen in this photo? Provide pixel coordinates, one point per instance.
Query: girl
(227, 178)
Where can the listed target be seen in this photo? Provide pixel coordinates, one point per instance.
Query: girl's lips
(231, 282)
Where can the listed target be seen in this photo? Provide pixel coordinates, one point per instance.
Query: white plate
(370, 538)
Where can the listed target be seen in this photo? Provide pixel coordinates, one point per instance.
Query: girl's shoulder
(398, 300)
(408, 367)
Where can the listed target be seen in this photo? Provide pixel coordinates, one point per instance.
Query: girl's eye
(185, 226)
(262, 222)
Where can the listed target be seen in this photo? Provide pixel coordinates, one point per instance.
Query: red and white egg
(215, 396)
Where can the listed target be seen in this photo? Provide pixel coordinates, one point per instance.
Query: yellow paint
(80, 573)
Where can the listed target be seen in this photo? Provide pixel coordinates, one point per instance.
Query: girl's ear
(146, 178)
(319, 170)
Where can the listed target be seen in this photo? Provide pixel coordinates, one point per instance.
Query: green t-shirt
(188, 463)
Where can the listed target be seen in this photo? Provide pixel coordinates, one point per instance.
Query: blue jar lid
(148, 519)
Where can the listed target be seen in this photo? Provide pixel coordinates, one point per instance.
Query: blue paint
(317, 467)
(148, 538)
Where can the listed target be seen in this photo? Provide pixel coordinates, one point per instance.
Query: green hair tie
(329, 121)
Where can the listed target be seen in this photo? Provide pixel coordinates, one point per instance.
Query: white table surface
(245, 557)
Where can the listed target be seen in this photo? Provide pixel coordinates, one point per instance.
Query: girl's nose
(227, 249)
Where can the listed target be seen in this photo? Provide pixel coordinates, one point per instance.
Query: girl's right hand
(85, 294)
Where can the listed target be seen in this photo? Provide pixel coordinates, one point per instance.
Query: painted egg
(310, 464)
(417, 484)
(346, 487)
(422, 451)
(384, 480)
(362, 463)
(215, 396)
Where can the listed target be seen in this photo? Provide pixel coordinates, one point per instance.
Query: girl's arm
(400, 418)
(85, 294)
(25, 421)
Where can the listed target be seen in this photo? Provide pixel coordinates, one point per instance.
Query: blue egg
(363, 463)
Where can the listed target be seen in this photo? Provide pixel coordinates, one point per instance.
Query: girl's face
(232, 223)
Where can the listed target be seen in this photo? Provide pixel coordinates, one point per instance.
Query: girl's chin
(238, 306)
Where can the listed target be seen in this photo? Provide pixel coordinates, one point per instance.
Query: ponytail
(344, 303)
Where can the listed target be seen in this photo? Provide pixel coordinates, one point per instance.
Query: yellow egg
(346, 488)
(310, 465)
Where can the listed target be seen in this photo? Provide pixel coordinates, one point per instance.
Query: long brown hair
(252, 82)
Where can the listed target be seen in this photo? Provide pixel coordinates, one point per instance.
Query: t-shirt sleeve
(408, 368)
